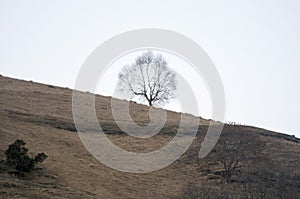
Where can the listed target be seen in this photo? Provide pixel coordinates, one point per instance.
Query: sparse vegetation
(262, 183)
(246, 172)
(16, 155)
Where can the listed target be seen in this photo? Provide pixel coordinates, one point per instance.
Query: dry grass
(41, 115)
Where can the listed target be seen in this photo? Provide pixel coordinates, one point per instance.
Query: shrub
(16, 155)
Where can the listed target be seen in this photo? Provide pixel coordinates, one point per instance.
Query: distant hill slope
(41, 115)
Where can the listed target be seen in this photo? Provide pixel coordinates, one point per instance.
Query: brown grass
(41, 115)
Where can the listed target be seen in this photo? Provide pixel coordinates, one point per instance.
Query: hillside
(41, 115)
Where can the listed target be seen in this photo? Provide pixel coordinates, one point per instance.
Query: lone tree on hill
(149, 79)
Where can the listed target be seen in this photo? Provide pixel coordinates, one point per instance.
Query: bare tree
(149, 79)
(234, 147)
(232, 154)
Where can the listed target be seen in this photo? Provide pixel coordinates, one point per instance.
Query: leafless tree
(232, 154)
(148, 79)
(234, 147)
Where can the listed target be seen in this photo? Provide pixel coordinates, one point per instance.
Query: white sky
(254, 44)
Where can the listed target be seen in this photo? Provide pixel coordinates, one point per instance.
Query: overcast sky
(255, 46)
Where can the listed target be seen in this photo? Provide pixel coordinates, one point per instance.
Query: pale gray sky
(255, 46)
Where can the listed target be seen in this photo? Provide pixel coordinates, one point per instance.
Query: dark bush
(16, 155)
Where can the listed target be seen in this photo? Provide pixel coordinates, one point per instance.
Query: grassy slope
(41, 115)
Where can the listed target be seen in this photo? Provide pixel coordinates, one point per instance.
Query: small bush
(16, 155)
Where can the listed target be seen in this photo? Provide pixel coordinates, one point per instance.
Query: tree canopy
(149, 79)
